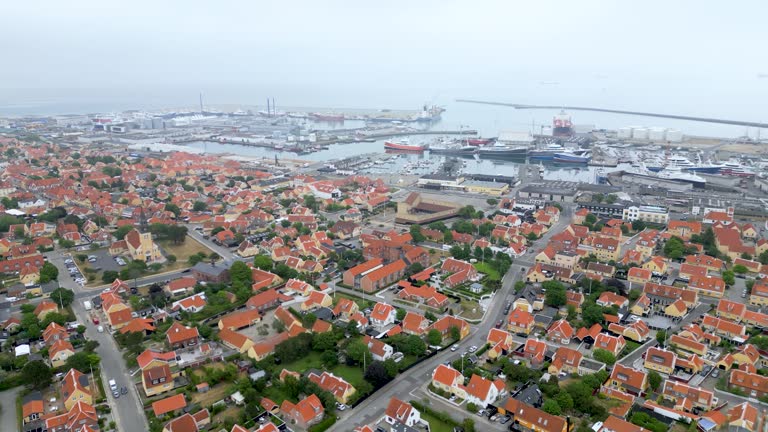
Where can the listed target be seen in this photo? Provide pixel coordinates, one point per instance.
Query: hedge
(324, 424)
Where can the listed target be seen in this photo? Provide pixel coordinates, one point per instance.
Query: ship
(672, 173)
(479, 141)
(327, 117)
(546, 153)
(736, 169)
(405, 146)
(503, 152)
(572, 157)
(685, 164)
(562, 125)
(430, 114)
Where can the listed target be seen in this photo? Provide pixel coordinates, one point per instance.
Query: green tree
(357, 350)
(109, 276)
(661, 337)
(48, 272)
(555, 294)
(674, 248)
(565, 401)
(638, 225)
(434, 337)
(62, 296)
(122, 231)
(416, 234)
(740, 269)
(654, 380)
(36, 375)
(604, 356)
(592, 314)
(173, 208)
(590, 219)
(519, 286)
(729, 277)
(263, 262)
(83, 361)
(199, 206)
(455, 333)
(324, 341)
(552, 407)
(400, 314)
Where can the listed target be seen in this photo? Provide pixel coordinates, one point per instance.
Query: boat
(503, 152)
(430, 114)
(453, 150)
(572, 157)
(736, 169)
(546, 153)
(479, 141)
(684, 164)
(404, 145)
(327, 117)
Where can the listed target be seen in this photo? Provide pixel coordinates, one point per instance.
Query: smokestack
(268, 112)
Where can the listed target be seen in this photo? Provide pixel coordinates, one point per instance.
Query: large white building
(646, 214)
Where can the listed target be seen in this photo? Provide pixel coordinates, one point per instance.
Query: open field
(215, 394)
(182, 251)
(489, 272)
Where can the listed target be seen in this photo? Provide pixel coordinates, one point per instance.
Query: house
(172, 404)
(637, 331)
(449, 380)
(181, 286)
(189, 422)
(44, 308)
(383, 314)
(29, 275)
(657, 265)
(642, 306)
(305, 413)
(211, 273)
(264, 300)
(239, 320)
(352, 276)
(660, 360)
(423, 294)
(638, 275)
(483, 392)
(59, 352)
(192, 304)
(383, 276)
(608, 299)
(664, 295)
(535, 351)
(759, 294)
(142, 248)
(54, 332)
(75, 387)
(752, 384)
(686, 397)
(80, 418)
(32, 407)
(340, 389)
(414, 324)
(534, 419)
(379, 350)
(499, 341)
(235, 340)
(460, 272)
(706, 261)
(520, 322)
(180, 336)
(612, 344)
(448, 322)
(744, 418)
(560, 331)
(150, 358)
(688, 270)
(316, 300)
(566, 360)
(615, 424)
(401, 412)
(157, 380)
(681, 343)
(628, 379)
(730, 310)
(710, 286)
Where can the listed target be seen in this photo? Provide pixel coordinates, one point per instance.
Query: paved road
(8, 421)
(373, 407)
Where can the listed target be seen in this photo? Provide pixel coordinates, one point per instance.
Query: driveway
(8, 420)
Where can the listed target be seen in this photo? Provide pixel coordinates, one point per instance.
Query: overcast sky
(463, 48)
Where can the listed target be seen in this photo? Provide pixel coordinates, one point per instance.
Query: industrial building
(654, 214)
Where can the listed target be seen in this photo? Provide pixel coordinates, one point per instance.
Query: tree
(519, 286)
(400, 314)
(592, 314)
(468, 424)
(638, 225)
(740, 269)
(391, 367)
(199, 206)
(565, 401)
(377, 374)
(240, 273)
(661, 337)
(590, 219)
(62, 296)
(324, 341)
(36, 374)
(598, 197)
(654, 380)
(763, 257)
(552, 407)
(329, 358)
(357, 350)
(729, 277)
(434, 337)
(48, 272)
(455, 333)
(674, 248)
(173, 208)
(604, 356)
(624, 229)
(263, 262)
(122, 231)
(109, 276)
(83, 361)
(416, 234)
(555, 295)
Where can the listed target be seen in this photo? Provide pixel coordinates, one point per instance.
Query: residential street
(8, 421)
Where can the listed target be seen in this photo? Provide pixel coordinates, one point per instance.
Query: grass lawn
(311, 360)
(182, 251)
(276, 394)
(215, 394)
(352, 374)
(471, 310)
(436, 425)
(631, 346)
(361, 303)
(489, 272)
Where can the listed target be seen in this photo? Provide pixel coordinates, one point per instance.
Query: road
(8, 421)
(371, 409)
(128, 413)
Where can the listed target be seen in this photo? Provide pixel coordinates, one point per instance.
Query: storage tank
(640, 133)
(674, 135)
(625, 132)
(656, 133)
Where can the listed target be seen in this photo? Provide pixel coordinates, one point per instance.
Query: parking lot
(104, 260)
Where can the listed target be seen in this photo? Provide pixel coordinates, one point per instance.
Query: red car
(95, 320)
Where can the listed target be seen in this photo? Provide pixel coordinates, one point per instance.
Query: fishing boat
(503, 152)
(327, 117)
(479, 141)
(405, 146)
(546, 153)
(572, 157)
(453, 150)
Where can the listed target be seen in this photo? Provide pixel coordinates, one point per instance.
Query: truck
(88, 305)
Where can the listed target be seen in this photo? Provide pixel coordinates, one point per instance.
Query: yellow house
(157, 380)
(676, 309)
(44, 308)
(522, 304)
(142, 248)
(606, 249)
(59, 352)
(759, 294)
(642, 306)
(660, 360)
(449, 380)
(34, 290)
(656, 265)
(520, 321)
(566, 259)
(316, 300)
(75, 387)
(29, 275)
(340, 389)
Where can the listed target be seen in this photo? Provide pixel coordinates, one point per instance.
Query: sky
(701, 56)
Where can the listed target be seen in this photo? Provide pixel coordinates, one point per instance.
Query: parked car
(454, 348)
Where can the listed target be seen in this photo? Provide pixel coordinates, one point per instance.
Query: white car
(100, 329)
(454, 348)
(473, 348)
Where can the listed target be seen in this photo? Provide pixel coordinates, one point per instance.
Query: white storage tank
(674, 135)
(656, 133)
(625, 132)
(640, 133)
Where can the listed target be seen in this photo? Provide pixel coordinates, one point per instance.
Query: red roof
(173, 403)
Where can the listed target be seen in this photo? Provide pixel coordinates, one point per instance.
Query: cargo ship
(562, 125)
(404, 146)
(503, 152)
